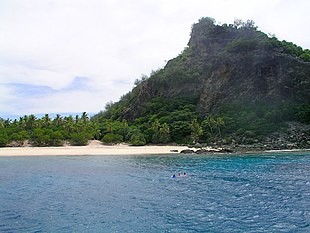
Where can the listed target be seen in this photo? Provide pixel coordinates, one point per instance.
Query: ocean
(220, 193)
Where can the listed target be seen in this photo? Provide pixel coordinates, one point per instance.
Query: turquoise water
(252, 193)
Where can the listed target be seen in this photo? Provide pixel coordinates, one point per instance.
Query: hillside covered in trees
(232, 85)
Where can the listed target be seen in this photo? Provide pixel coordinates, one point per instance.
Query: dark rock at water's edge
(187, 151)
(206, 150)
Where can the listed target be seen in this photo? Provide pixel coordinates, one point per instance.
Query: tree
(219, 121)
(196, 130)
(142, 79)
(164, 129)
(19, 137)
(156, 126)
(58, 121)
(30, 121)
(1, 122)
(56, 138)
(137, 139)
(124, 129)
(77, 119)
(112, 138)
(209, 121)
(160, 132)
(41, 137)
(84, 117)
(7, 122)
(164, 133)
(22, 122)
(97, 133)
(249, 24)
(68, 124)
(180, 131)
(46, 120)
(79, 139)
(4, 139)
(108, 107)
(238, 23)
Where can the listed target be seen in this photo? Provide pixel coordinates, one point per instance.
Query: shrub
(137, 139)
(79, 139)
(111, 138)
(4, 139)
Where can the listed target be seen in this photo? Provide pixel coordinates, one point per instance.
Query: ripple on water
(136, 194)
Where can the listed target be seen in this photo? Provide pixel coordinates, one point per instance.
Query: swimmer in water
(184, 174)
(173, 176)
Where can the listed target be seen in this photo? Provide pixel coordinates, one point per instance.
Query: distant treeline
(46, 131)
(164, 121)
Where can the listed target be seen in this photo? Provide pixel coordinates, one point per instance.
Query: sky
(62, 56)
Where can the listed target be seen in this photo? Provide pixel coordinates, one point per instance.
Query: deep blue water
(252, 193)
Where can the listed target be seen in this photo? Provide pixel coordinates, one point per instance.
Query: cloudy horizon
(75, 56)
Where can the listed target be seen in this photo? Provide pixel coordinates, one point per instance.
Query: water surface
(249, 193)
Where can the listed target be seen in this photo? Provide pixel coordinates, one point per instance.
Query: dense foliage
(164, 121)
(46, 131)
(164, 107)
(176, 120)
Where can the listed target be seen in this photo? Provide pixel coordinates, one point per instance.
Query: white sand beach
(94, 148)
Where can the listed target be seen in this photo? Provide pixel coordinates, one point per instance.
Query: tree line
(163, 121)
(78, 130)
(46, 131)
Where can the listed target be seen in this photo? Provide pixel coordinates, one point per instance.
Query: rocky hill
(234, 71)
(224, 64)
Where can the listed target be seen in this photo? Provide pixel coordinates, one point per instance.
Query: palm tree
(46, 120)
(156, 126)
(96, 130)
(68, 123)
(164, 129)
(164, 133)
(110, 127)
(22, 122)
(77, 119)
(1, 122)
(219, 122)
(196, 130)
(31, 121)
(58, 120)
(84, 117)
(210, 122)
(7, 122)
(124, 125)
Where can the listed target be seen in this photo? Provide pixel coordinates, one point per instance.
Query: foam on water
(252, 193)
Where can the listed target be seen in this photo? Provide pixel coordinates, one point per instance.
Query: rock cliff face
(222, 65)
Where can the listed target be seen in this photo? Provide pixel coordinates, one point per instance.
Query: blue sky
(76, 55)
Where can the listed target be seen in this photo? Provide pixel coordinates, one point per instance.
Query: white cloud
(112, 42)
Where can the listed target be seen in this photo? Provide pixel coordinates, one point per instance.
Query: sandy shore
(94, 148)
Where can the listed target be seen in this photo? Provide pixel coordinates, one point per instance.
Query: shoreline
(96, 148)
(91, 149)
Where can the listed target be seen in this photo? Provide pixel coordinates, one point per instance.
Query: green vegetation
(167, 120)
(164, 121)
(46, 131)
(218, 90)
(165, 106)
